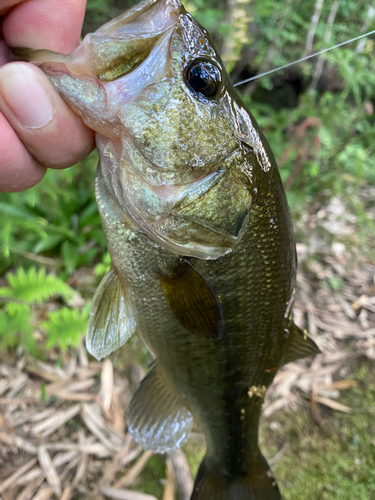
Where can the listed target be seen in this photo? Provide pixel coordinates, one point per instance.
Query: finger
(3, 53)
(51, 132)
(18, 169)
(6, 5)
(4, 50)
(45, 24)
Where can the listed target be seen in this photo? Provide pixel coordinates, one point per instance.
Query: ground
(62, 427)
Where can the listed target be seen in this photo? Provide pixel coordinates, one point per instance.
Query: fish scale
(245, 354)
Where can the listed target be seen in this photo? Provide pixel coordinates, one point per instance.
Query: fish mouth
(121, 45)
(115, 41)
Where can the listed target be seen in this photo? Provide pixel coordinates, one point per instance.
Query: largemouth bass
(200, 236)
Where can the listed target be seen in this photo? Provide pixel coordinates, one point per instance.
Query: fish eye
(203, 77)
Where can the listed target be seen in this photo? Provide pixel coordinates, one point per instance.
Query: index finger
(44, 24)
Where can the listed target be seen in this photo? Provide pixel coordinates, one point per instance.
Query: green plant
(103, 267)
(57, 219)
(65, 327)
(26, 310)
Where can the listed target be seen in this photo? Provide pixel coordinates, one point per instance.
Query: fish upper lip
(171, 10)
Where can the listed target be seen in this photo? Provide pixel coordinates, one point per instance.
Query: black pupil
(204, 78)
(199, 78)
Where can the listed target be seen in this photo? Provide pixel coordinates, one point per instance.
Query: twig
(333, 404)
(17, 442)
(106, 386)
(20, 472)
(170, 483)
(44, 493)
(134, 472)
(67, 493)
(279, 454)
(117, 464)
(369, 18)
(94, 423)
(29, 490)
(45, 261)
(56, 421)
(125, 494)
(49, 470)
(313, 25)
(326, 38)
(184, 481)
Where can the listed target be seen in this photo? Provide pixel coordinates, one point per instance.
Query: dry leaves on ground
(62, 432)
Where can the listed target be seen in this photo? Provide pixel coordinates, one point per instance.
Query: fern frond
(15, 325)
(65, 327)
(35, 286)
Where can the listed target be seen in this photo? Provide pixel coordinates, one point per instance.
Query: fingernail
(25, 96)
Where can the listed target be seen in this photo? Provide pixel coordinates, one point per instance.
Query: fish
(200, 236)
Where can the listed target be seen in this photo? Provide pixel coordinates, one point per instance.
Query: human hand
(37, 128)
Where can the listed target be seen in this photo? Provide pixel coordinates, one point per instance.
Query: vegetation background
(318, 117)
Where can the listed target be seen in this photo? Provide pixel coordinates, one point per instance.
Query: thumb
(42, 120)
(26, 97)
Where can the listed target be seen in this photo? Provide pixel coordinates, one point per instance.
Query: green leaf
(15, 328)
(103, 267)
(51, 241)
(70, 255)
(36, 286)
(65, 327)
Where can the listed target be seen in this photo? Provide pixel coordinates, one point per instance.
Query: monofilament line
(304, 58)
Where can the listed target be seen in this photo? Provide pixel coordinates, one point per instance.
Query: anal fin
(111, 322)
(299, 345)
(157, 417)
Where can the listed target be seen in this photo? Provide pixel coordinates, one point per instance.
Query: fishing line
(303, 59)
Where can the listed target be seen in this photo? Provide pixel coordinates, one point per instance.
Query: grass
(150, 480)
(329, 455)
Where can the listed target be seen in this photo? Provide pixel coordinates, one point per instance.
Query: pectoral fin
(299, 345)
(157, 417)
(111, 321)
(193, 301)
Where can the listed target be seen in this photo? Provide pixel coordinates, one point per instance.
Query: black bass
(200, 235)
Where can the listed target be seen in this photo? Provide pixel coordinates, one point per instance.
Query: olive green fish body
(200, 236)
(221, 381)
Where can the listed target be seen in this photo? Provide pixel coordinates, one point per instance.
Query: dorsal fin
(299, 345)
(111, 321)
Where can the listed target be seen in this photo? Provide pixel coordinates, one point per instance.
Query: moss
(330, 460)
(195, 450)
(151, 480)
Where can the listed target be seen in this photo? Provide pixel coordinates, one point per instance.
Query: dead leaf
(49, 470)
